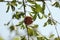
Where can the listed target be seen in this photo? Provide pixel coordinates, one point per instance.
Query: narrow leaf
(13, 8)
(7, 9)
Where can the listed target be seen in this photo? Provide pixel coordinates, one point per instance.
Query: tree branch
(25, 15)
(53, 20)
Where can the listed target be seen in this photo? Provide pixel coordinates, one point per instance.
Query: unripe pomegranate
(28, 20)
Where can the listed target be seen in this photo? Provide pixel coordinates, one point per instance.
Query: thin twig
(54, 20)
(27, 32)
(25, 15)
(57, 31)
(24, 7)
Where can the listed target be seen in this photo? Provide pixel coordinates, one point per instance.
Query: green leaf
(39, 16)
(35, 26)
(13, 8)
(49, 21)
(39, 0)
(30, 31)
(54, 22)
(18, 15)
(34, 17)
(51, 36)
(43, 7)
(56, 4)
(1, 0)
(44, 16)
(21, 24)
(16, 38)
(49, 14)
(23, 38)
(7, 9)
(35, 33)
(46, 38)
(19, 2)
(40, 38)
(31, 15)
(45, 24)
(38, 8)
(13, 0)
(1, 38)
(11, 28)
(14, 3)
(30, 1)
(57, 39)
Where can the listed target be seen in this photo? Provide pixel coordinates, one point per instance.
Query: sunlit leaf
(38, 8)
(30, 31)
(1, 38)
(36, 33)
(16, 38)
(14, 3)
(35, 26)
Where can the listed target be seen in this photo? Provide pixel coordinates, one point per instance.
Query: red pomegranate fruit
(28, 20)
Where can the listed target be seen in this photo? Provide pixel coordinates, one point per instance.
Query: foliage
(37, 11)
(1, 38)
(56, 4)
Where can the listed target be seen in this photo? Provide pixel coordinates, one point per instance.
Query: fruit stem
(25, 15)
(27, 32)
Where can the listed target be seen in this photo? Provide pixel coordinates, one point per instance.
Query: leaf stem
(27, 32)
